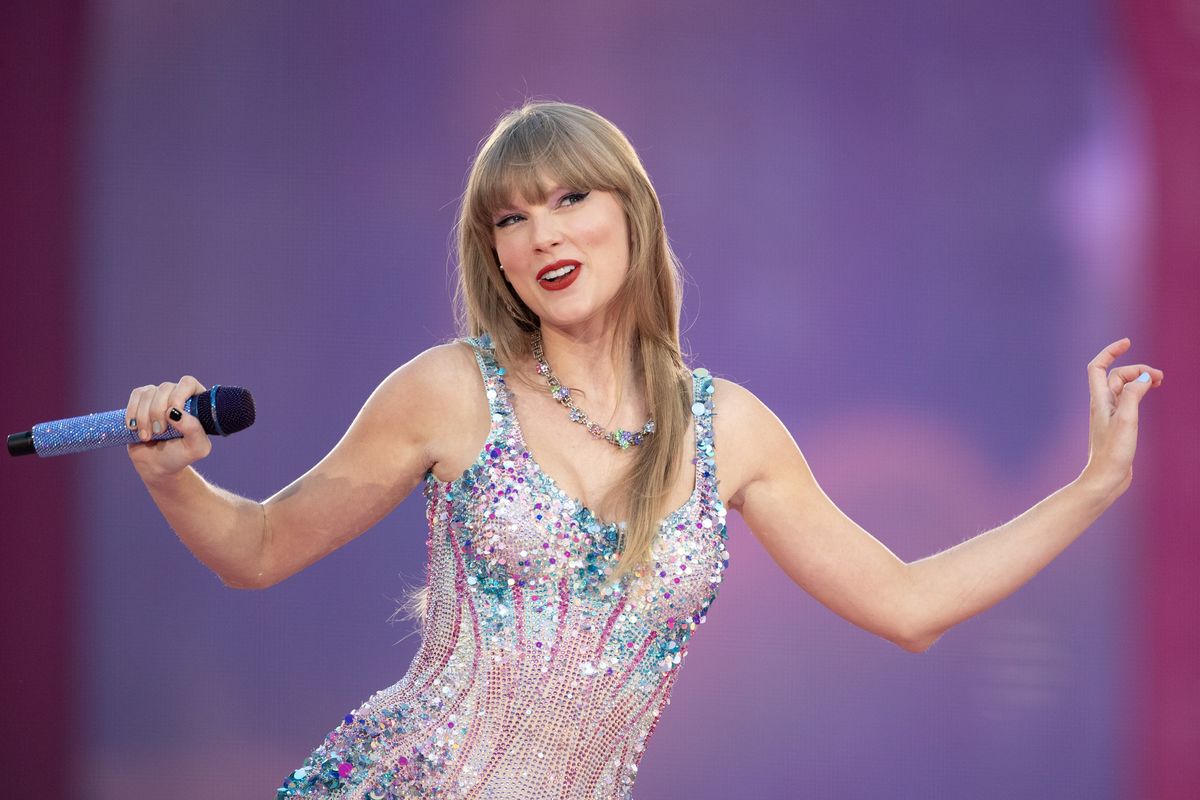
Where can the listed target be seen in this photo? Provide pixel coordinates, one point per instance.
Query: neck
(583, 361)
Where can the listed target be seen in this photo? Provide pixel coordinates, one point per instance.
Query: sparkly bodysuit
(534, 680)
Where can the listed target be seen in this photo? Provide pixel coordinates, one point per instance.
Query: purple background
(906, 229)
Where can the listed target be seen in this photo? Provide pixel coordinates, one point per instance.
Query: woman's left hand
(1112, 436)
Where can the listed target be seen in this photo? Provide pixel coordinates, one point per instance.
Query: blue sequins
(532, 662)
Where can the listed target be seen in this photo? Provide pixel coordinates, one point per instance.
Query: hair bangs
(532, 156)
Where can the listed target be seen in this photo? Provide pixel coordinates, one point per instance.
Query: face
(567, 255)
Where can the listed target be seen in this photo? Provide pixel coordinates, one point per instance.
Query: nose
(546, 231)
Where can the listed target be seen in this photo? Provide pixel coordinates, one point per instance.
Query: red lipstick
(563, 281)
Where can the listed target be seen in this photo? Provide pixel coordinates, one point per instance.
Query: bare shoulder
(436, 403)
(420, 404)
(733, 397)
(748, 437)
(440, 373)
(439, 387)
(739, 412)
(428, 414)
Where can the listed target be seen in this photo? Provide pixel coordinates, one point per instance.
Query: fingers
(133, 416)
(1131, 372)
(152, 408)
(1107, 385)
(1097, 370)
(1119, 376)
(142, 413)
(171, 396)
(1131, 395)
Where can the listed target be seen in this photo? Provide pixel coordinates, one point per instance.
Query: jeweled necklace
(620, 437)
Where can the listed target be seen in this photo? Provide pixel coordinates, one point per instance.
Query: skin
(430, 415)
(577, 336)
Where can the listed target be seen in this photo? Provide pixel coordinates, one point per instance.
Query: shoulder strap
(702, 411)
(493, 377)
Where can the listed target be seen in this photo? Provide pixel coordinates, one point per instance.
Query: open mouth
(558, 275)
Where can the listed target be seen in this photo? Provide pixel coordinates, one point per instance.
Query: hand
(151, 409)
(1112, 435)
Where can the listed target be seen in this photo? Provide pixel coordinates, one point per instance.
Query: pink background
(907, 229)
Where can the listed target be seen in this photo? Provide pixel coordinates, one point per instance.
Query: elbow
(916, 643)
(238, 583)
(910, 639)
(914, 635)
(247, 582)
(915, 628)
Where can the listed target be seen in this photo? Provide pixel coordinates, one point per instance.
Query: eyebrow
(501, 211)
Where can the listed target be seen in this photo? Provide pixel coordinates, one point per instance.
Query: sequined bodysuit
(534, 680)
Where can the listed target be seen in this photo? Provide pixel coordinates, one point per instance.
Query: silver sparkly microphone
(221, 410)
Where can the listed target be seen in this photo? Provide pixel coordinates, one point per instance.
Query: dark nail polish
(133, 423)
(175, 415)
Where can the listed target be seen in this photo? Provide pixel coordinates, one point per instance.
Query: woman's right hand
(150, 410)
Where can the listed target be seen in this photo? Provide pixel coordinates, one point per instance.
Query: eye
(569, 199)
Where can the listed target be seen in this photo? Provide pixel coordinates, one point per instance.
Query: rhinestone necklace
(620, 437)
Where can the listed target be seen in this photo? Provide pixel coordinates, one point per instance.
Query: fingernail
(157, 427)
(1144, 377)
(175, 415)
(133, 423)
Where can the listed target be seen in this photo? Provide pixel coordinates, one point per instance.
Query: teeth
(558, 273)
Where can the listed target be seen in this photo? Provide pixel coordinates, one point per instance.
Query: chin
(565, 315)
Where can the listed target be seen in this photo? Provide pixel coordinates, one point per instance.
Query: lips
(559, 275)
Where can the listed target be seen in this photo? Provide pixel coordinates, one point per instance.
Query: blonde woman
(552, 634)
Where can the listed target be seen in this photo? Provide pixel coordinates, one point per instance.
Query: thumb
(1132, 394)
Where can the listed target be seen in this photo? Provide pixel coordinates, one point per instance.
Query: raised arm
(417, 417)
(857, 577)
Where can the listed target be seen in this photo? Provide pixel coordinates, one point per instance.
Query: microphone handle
(89, 432)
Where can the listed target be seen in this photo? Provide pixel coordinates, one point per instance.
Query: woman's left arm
(913, 604)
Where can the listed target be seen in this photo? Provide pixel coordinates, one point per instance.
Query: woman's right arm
(419, 415)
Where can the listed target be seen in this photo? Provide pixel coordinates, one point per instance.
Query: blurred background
(907, 228)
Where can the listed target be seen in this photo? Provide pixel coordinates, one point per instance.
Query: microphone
(222, 410)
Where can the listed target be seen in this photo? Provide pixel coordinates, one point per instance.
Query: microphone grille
(225, 409)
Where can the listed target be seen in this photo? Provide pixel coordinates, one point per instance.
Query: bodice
(536, 677)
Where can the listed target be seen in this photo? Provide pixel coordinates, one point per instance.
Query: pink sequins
(535, 678)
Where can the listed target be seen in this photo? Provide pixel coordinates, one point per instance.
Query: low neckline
(577, 503)
(504, 397)
(552, 485)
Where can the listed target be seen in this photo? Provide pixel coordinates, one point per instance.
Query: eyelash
(504, 222)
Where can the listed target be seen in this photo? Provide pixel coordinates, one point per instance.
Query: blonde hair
(582, 149)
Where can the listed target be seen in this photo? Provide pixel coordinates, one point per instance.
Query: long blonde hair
(583, 150)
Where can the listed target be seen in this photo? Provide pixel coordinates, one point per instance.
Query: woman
(552, 636)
